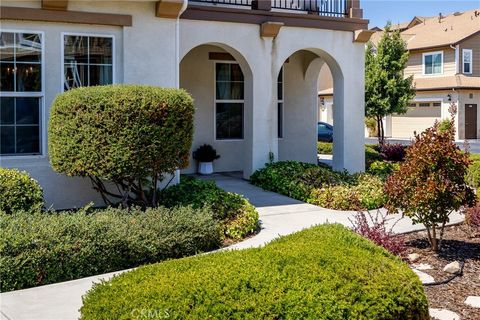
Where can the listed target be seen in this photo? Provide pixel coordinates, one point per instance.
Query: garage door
(417, 119)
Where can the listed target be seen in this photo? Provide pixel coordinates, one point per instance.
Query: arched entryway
(220, 81)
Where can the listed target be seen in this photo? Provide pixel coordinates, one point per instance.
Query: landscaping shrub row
(321, 186)
(237, 216)
(326, 272)
(49, 247)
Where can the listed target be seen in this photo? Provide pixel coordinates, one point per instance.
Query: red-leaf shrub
(392, 151)
(376, 231)
(430, 183)
(472, 216)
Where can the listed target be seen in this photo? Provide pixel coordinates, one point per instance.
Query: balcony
(327, 8)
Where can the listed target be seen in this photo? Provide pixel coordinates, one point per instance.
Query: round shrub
(326, 272)
(43, 248)
(238, 218)
(383, 169)
(19, 192)
(130, 135)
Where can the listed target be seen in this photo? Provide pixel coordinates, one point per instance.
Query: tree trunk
(434, 243)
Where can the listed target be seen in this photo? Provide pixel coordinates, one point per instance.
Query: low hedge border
(44, 248)
(326, 272)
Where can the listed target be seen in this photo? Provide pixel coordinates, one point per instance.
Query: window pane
(100, 50)
(280, 91)
(429, 64)
(27, 111)
(437, 67)
(223, 71)
(236, 71)
(28, 47)
(28, 77)
(28, 138)
(76, 49)
(7, 113)
(223, 90)
(76, 75)
(7, 71)
(7, 139)
(7, 46)
(100, 75)
(229, 120)
(280, 120)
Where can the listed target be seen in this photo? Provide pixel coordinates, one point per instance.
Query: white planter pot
(205, 167)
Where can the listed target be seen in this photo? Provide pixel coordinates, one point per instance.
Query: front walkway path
(279, 214)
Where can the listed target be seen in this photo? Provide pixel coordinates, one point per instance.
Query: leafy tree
(129, 135)
(387, 91)
(430, 183)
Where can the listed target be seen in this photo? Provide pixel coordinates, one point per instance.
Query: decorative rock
(453, 268)
(443, 314)
(425, 278)
(473, 301)
(413, 257)
(422, 266)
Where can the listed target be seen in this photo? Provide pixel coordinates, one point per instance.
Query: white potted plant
(205, 155)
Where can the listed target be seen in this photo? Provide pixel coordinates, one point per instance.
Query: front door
(470, 121)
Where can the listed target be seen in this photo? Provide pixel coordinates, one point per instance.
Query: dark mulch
(460, 243)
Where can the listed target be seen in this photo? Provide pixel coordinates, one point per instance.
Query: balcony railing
(331, 8)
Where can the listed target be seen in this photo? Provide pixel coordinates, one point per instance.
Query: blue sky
(380, 11)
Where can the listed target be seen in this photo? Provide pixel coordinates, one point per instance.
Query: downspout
(177, 44)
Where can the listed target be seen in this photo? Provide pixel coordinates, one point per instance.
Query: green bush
(326, 272)
(382, 169)
(324, 147)
(371, 155)
(473, 175)
(129, 135)
(19, 192)
(43, 248)
(321, 186)
(365, 193)
(237, 216)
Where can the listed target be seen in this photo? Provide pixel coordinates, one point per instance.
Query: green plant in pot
(205, 155)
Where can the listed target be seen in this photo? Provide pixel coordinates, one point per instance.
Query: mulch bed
(460, 243)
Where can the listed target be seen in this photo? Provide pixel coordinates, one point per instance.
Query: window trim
(35, 94)
(62, 55)
(424, 54)
(470, 62)
(215, 101)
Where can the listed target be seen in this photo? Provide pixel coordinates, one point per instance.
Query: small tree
(387, 91)
(430, 183)
(129, 135)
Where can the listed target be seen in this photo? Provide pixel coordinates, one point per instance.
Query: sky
(397, 11)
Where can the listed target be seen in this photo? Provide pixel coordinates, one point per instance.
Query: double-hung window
(229, 101)
(433, 63)
(21, 93)
(280, 104)
(467, 61)
(88, 61)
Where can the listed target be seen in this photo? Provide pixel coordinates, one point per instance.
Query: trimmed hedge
(321, 186)
(125, 134)
(237, 216)
(43, 248)
(326, 272)
(371, 152)
(19, 192)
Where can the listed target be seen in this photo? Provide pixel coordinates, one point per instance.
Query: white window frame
(282, 101)
(38, 94)
(470, 62)
(423, 63)
(99, 35)
(215, 101)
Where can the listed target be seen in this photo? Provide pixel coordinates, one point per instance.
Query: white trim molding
(470, 51)
(433, 53)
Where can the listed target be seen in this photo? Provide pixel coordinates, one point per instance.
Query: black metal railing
(331, 8)
(247, 3)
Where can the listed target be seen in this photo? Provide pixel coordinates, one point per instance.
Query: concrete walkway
(279, 215)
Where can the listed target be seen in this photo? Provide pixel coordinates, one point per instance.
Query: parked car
(324, 132)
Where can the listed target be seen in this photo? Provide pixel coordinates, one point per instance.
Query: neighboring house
(251, 67)
(445, 63)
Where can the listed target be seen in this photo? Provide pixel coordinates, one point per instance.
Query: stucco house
(445, 63)
(251, 66)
